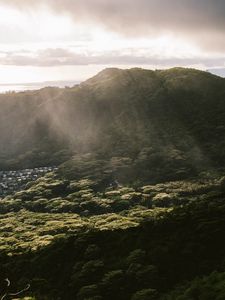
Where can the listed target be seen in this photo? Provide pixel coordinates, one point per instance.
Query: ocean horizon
(20, 87)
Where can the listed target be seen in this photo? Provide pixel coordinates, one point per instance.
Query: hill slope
(162, 124)
(124, 235)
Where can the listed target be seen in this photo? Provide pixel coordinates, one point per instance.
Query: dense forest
(136, 254)
(172, 118)
(135, 208)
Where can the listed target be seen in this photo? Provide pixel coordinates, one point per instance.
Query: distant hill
(163, 124)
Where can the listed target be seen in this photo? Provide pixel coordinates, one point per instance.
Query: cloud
(42, 58)
(63, 57)
(200, 21)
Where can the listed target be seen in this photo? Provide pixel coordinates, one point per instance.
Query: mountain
(163, 124)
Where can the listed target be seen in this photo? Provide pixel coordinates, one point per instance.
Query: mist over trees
(172, 118)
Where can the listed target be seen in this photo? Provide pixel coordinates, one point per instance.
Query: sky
(71, 40)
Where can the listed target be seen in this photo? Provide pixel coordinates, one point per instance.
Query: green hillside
(161, 125)
(135, 208)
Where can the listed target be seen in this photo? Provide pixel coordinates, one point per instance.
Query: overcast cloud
(87, 34)
(58, 56)
(201, 21)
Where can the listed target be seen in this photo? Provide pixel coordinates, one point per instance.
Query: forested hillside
(158, 124)
(168, 256)
(121, 191)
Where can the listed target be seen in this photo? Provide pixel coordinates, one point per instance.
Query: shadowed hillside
(164, 124)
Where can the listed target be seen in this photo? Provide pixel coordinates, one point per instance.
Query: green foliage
(136, 210)
(88, 292)
(130, 125)
(86, 197)
(136, 256)
(148, 294)
(205, 288)
(166, 256)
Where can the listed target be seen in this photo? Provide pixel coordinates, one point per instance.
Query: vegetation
(150, 126)
(165, 243)
(135, 210)
(156, 258)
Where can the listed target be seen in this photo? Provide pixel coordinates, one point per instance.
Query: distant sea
(218, 71)
(19, 87)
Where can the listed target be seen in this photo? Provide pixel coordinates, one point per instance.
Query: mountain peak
(105, 74)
